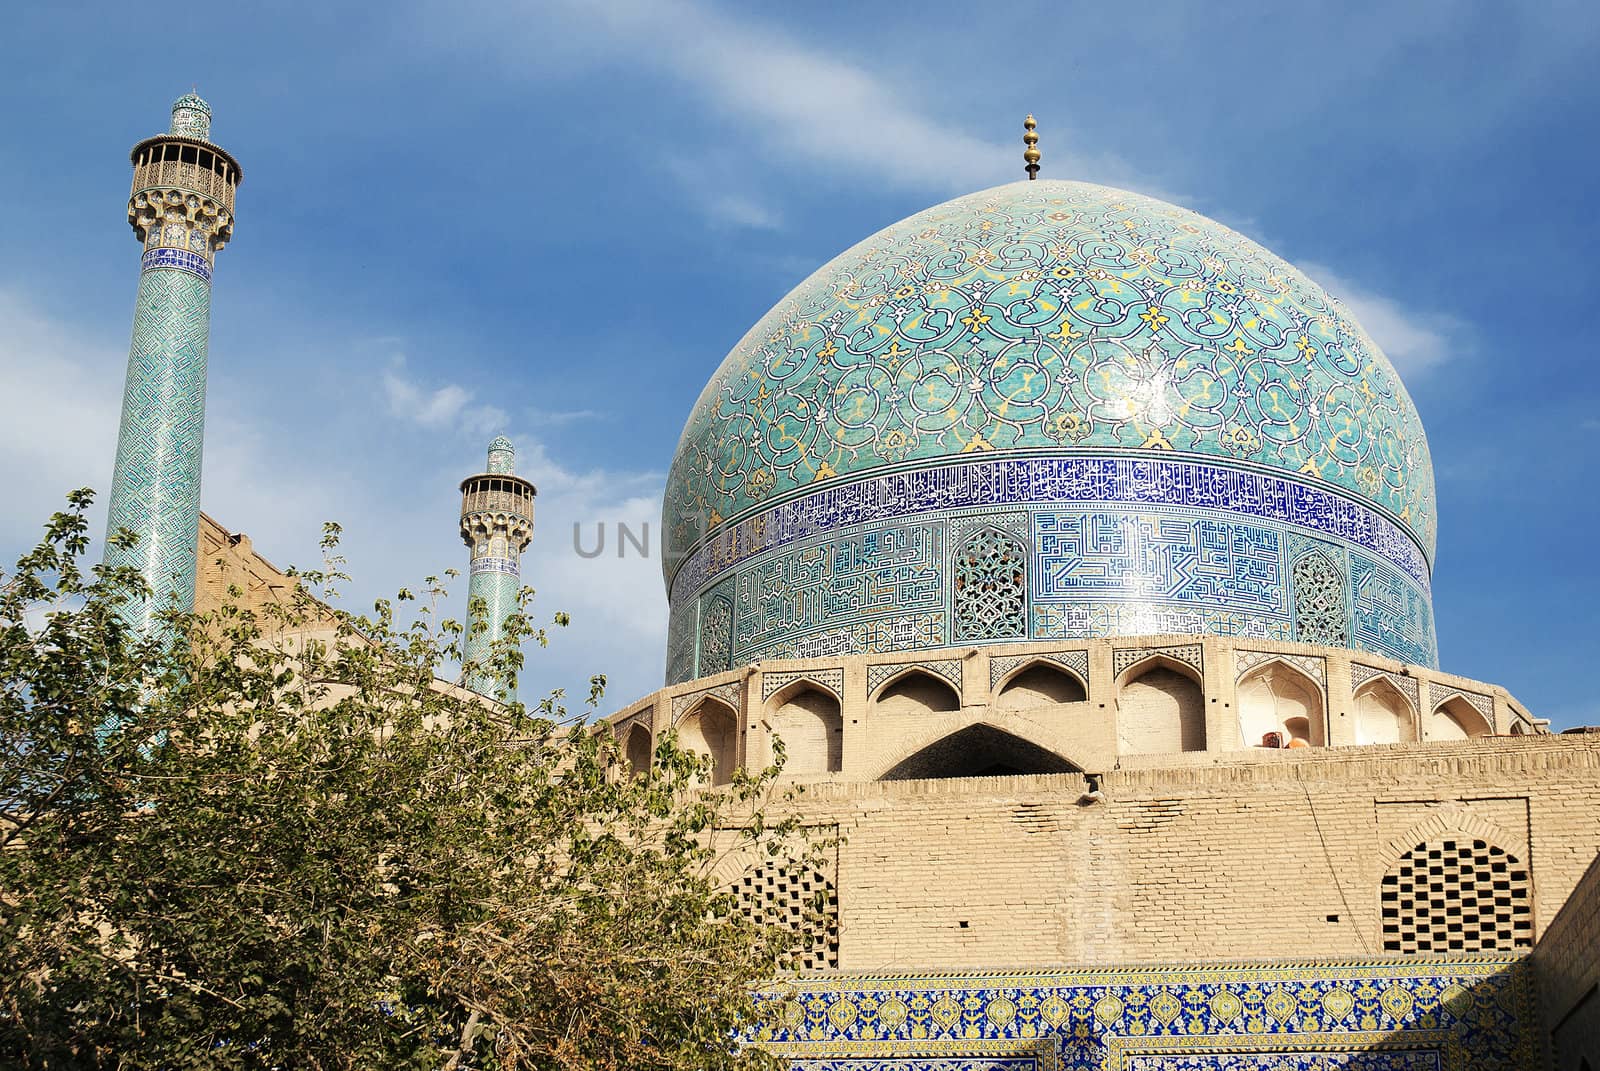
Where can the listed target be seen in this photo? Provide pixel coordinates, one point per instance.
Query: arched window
(798, 898)
(1457, 719)
(1037, 685)
(1321, 614)
(991, 587)
(917, 693)
(1382, 714)
(1160, 711)
(636, 749)
(1456, 894)
(1278, 699)
(713, 730)
(808, 721)
(979, 751)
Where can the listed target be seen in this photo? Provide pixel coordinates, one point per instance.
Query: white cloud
(59, 414)
(805, 102)
(715, 185)
(441, 408)
(1415, 340)
(790, 99)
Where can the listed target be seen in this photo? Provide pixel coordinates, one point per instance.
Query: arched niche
(916, 691)
(1277, 698)
(1383, 715)
(807, 719)
(1038, 684)
(1161, 709)
(712, 729)
(1457, 719)
(978, 751)
(636, 750)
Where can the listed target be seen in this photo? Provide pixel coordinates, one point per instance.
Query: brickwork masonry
(1567, 967)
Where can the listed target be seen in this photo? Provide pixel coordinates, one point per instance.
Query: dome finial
(502, 456)
(1030, 155)
(191, 117)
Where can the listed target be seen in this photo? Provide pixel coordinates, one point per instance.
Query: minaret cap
(191, 117)
(1030, 155)
(502, 456)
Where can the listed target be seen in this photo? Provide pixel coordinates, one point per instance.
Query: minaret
(181, 209)
(497, 525)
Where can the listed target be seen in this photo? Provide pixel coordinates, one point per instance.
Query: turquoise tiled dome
(1061, 324)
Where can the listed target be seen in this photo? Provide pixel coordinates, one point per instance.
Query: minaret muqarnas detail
(496, 525)
(181, 209)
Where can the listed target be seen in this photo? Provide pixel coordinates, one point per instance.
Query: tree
(277, 840)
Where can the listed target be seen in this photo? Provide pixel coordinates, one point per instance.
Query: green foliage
(278, 841)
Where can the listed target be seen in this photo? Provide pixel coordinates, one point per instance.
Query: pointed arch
(1384, 714)
(711, 728)
(1457, 719)
(637, 750)
(916, 691)
(1037, 683)
(808, 719)
(1154, 659)
(1277, 697)
(978, 750)
(1160, 708)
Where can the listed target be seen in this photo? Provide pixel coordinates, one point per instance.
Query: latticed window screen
(1320, 615)
(802, 899)
(1456, 896)
(991, 587)
(716, 630)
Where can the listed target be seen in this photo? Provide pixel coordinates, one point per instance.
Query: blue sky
(552, 220)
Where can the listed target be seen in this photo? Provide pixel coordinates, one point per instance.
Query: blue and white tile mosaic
(1470, 1012)
(1116, 546)
(155, 487)
(1120, 546)
(1054, 343)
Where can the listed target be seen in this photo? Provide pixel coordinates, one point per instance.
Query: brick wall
(1269, 856)
(1567, 965)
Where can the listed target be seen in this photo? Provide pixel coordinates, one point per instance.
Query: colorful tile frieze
(1473, 1012)
(1081, 480)
(1087, 574)
(1391, 616)
(1134, 566)
(1158, 557)
(181, 259)
(1050, 316)
(873, 573)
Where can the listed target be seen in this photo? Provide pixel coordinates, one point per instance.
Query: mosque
(1078, 550)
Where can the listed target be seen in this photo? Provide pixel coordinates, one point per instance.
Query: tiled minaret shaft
(181, 209)
(497, 525)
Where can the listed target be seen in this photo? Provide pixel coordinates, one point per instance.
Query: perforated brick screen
(1456, 896)
(802, 899)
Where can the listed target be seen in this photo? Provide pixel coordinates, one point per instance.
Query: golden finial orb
(1030, 155)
